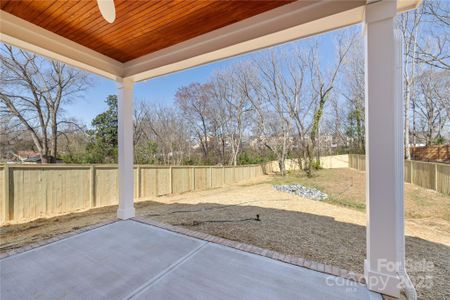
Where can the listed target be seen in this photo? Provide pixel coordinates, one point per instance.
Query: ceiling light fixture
(107, 9)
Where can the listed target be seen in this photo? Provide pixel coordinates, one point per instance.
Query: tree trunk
(222, 151)
(407, 108)
(300, 161)
(282, 166)
(54, 140)
(409, 84)
(307, 157)
(359, 127)
(315, 130)
(414, 123)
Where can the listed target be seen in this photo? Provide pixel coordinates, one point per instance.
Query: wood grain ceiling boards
(141, 27)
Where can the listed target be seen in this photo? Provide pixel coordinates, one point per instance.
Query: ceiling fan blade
(107, 9)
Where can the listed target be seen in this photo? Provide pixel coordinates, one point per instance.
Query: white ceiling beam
(25, 35)
(405, 5)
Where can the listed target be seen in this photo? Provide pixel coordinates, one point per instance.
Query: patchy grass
(346, 187)
(347, 203)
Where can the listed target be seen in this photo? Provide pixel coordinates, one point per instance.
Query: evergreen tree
(102, 147)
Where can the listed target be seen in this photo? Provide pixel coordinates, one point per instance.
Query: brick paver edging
(55, 238)
(290, 259)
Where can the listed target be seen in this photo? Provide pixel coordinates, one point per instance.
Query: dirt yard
(332, 233)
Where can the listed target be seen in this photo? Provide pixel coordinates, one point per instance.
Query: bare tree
(12, 139)
(33, 91)
(322, 83)
(433, 48)
(409, 24)
(194, 103)
(426, 48)
(336, 125)
(268, 97)
(219, 117)
(140, 115)
(229, 95)
(352, 89)
(433, 104)
(72, 140)
(162, 135)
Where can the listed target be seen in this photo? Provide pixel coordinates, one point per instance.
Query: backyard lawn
(346, 187)
(331, 231)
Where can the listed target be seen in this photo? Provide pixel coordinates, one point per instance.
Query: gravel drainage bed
(302, 191)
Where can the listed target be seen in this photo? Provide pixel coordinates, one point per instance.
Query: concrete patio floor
(132, 260)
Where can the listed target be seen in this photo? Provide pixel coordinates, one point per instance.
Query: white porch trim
(280, 25)
(25, 35)
(384, 151)
(126, 156)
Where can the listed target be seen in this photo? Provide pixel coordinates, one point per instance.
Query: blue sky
(158, 90)
(163, 89)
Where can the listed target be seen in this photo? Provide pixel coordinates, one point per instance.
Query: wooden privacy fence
(434, 176)
(32, 191)
(326, 162)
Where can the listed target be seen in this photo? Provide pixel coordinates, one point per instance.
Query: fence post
(406, 175)
(436, 177)
(156, 181)
(92, 187)
(138, 179)
(193, 179)
(170, 180)
(7, 207)
(210, 177)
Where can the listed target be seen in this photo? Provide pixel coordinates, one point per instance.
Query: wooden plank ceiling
(141, 27)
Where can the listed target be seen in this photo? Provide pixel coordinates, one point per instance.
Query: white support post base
(125, 132)
(384, 151)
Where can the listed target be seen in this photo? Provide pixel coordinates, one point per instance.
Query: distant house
(37, 160)
(20, 156)
(32, 160)
(437, 153)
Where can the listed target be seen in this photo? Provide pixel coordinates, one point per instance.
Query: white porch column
(125, 131)
(384, 151)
